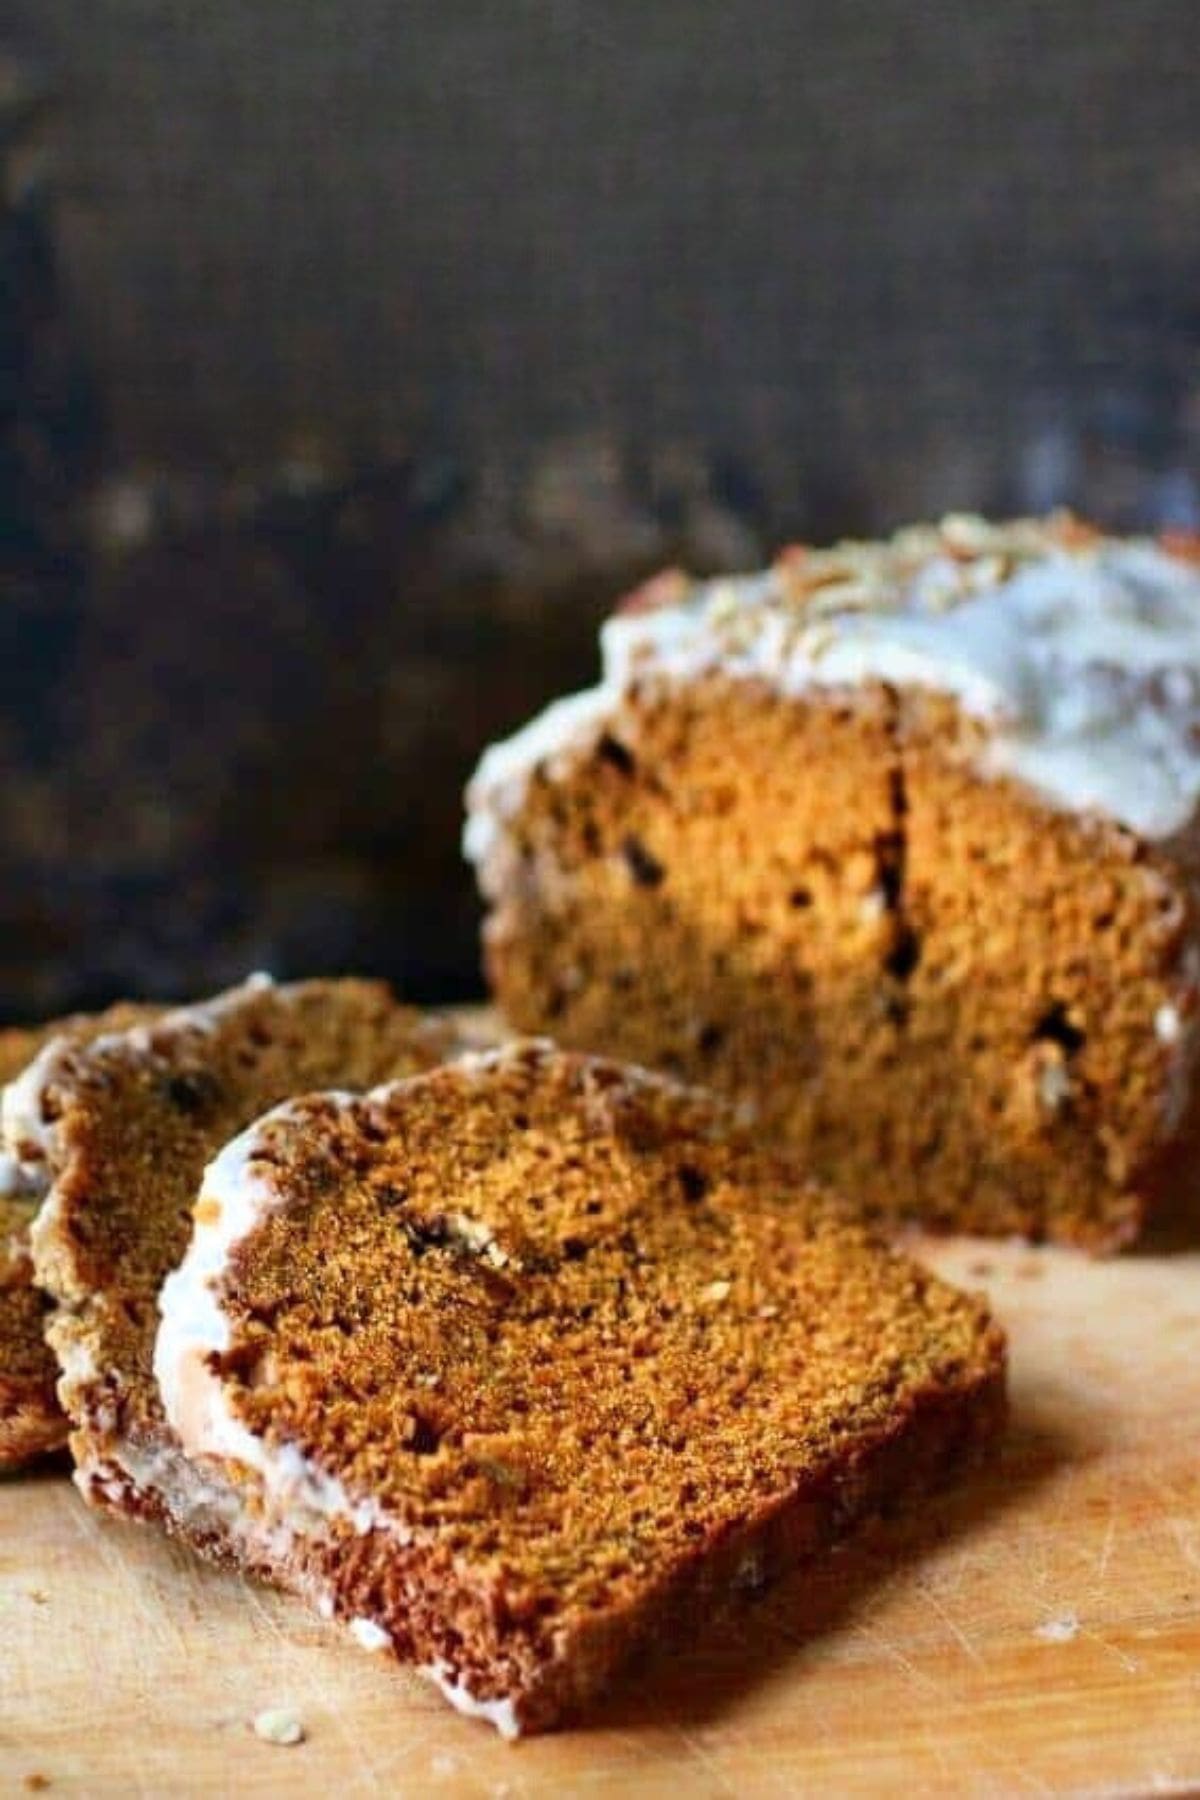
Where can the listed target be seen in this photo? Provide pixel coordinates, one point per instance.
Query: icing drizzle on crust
(235, 1197)
(1079, 653)
(501, 1714)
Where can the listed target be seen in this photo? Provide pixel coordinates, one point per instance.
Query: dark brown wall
(356, 355)
(816, 235)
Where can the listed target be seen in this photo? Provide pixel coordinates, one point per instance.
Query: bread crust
(32, 1424)
(528, 1361)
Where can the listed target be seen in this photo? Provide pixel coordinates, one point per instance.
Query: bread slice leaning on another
(518, 1365)
(122, 1129)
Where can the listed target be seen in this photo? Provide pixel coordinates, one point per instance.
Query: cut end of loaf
(765, 860)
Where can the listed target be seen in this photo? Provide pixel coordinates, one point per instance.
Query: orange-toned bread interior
(943, 992)
(584, 1350)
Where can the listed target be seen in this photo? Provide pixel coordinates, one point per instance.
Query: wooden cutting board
(1036, 1631)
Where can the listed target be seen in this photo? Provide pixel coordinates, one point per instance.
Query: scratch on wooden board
(952, 1626)
(924, 1683)
(936, 1748)
(1106, 1548)
(1012, 1773)
(1010, 1770)
(1064, 1625)
(262, 1612)
(707, 1762)
(102, 1537)
(1130, 1664)
(1184, 1532)
(1033, 1784)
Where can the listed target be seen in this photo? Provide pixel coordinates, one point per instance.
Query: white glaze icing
(502, 1714)
(14, 1184)
(1080, 655)
(369, 1635)
(23, 1131)
(1168, 1026)
(579, 716)
(235, 1199)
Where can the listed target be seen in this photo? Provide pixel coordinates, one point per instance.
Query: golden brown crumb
(684, 1361)
(956, 1002)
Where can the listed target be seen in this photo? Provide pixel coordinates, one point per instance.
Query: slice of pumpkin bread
(124, 1127)
(897, 844)
(519, 1363)
(31, 1422)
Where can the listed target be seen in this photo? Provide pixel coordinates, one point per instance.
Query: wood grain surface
(1037, 1631)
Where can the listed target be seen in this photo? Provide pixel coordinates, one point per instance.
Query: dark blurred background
(355, 357)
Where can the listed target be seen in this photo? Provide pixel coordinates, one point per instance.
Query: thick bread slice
(898, 845)
(517, 1362)
(31, 1422)
(125, 1127)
